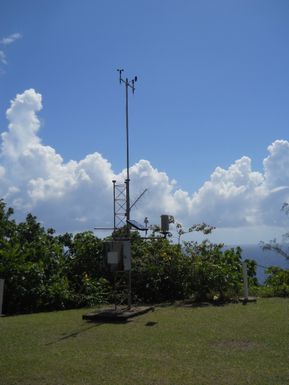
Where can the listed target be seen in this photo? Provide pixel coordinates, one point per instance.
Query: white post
(1, 294)
(245, 282)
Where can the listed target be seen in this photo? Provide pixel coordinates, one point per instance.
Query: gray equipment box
(118, 255)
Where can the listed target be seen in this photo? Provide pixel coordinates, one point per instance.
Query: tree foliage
(279, 248)
(167, 271)
(46, 271)
(43, 271)
(278, 281)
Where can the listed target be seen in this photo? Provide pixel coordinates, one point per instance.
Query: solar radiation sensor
(136, 225)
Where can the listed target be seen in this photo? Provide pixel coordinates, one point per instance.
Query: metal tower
(119, 205)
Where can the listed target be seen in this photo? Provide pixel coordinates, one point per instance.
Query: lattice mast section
(119, 205)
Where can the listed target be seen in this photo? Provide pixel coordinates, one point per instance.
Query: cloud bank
(76, 196)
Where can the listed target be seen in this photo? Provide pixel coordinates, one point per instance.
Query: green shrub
(278, 281)
(93, 292)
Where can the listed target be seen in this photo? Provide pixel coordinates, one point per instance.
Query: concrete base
(116, 315)
(248, 300)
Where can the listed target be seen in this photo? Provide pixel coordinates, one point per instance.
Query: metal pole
(127, 182)
(146, 221)
(245, 282)
(127, 187)
(1, 294)
(127, 153)
(114, 222)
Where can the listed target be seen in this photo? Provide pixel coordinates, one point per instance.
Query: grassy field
(174, 345)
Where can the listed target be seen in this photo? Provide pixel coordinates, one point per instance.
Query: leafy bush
(278, 281)
(160, 271)
(47, 272)
(32, 264)
(43, 271)
(262, 291)
(217, 273)
(93, 292)
(164, 271)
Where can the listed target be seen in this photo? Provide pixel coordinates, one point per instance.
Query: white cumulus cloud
(75, 196)
(276, 165)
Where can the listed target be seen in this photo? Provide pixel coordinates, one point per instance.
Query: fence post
(245, 282)
(1, 294)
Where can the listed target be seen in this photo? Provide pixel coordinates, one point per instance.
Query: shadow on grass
(194, 303)
(93, 324)
(73, 334)
(151, 323)
(198, 304)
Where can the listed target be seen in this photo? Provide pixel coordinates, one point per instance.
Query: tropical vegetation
(47, 271)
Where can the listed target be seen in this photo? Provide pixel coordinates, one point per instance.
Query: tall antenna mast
(128, 84)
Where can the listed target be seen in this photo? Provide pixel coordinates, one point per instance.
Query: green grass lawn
(175, 345)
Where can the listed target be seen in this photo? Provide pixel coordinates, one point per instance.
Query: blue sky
(213, 80)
